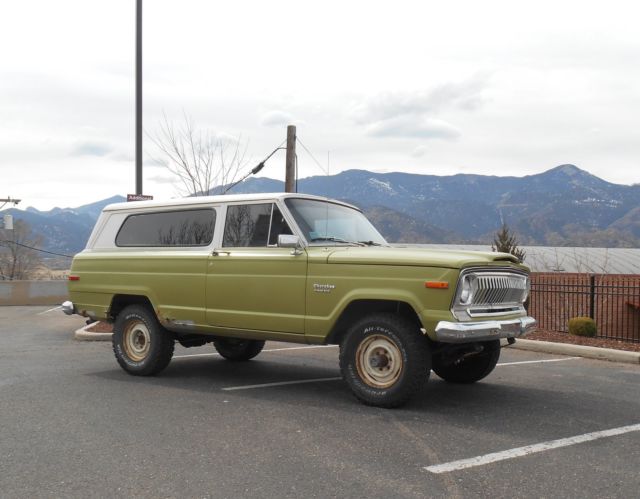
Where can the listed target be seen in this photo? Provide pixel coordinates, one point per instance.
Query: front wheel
(238, 350)
(469, 369)
(385, 360)
(141, 345)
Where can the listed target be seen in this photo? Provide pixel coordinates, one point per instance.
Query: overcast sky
(500, 88)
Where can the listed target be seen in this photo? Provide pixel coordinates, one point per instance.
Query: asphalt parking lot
(73, 424)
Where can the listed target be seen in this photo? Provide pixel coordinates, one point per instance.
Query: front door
(251, 282)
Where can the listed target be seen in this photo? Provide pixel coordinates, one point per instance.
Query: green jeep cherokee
(238, 270)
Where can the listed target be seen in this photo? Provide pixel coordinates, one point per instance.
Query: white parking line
(268, 350)
(529, 449)
(212, 354)
(50, 310)
(280, 383)
(536, 361)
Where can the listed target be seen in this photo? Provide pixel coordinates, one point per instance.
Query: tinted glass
(278, 226)
(171, 228)
(247, 225)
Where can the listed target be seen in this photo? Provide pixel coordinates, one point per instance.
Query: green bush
(582, 326)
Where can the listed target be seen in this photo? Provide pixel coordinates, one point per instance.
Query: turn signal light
(436, 284)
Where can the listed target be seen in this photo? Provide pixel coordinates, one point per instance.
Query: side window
(247, 225)
(253, 225)
(170, 228)
(278, 226)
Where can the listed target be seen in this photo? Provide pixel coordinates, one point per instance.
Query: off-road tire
(141, 345)
(470, 369)
(238, 350)
(385, 360)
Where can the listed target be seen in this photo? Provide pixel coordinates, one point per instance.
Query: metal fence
(612, 300)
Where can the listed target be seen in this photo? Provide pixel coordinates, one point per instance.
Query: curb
(83, 335)
(609, 354)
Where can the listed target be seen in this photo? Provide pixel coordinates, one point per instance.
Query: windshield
(322, 223)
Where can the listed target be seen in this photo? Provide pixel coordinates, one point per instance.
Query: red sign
(138, 197)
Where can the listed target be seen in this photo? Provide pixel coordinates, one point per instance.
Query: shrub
(582, 326)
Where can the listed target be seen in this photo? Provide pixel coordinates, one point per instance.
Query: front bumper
(464, 332)
(68, 308)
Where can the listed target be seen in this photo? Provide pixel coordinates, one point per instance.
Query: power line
(326, 172)
(256, 169)
(37, 249)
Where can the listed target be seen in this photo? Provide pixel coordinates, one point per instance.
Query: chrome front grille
(496, 289)
(493, 292)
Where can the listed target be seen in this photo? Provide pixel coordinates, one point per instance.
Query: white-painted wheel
(379, 361)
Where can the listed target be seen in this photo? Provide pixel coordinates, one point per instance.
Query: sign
(138, 197)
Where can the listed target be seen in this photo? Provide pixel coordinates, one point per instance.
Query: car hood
(383, 255)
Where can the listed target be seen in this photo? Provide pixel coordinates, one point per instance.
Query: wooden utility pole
(290, 163)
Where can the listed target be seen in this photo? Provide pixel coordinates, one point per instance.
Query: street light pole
(139, 97)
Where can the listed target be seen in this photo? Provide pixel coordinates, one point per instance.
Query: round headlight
(466, 294)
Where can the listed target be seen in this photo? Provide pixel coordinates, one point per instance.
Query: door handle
(218, 252)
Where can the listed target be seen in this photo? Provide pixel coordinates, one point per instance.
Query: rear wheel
(468, 369)
(385, 360)
(141, 345)
(237, 349)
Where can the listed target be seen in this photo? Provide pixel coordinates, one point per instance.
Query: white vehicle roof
(209, 200)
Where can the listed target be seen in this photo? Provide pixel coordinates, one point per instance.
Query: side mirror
(288, 241)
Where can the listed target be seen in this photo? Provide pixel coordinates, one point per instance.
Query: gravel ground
(553, 336)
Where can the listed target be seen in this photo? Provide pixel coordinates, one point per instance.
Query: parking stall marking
(280, 383)
(539, 361)
(528, 449)
(50, 310)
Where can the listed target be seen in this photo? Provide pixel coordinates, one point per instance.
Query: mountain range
(564, 206)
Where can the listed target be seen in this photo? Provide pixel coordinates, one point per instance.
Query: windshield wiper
(335, 240)
(370, 243)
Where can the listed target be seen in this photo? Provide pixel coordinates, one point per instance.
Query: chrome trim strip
(464, 332)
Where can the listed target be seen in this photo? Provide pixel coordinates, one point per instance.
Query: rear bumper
(68, 308)
(464, 332)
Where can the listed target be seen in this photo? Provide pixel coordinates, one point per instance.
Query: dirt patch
(556, 337)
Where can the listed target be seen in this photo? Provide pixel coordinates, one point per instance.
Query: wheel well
(359, 308)
(119, 302)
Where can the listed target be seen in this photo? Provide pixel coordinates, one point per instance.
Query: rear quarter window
(168, 229)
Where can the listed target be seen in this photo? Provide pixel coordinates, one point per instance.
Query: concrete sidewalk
(609, 354)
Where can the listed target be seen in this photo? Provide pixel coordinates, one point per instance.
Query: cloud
(419, 151)
(121, 156)
(161, 179)
(413, 127)
(226, 138)
(465, 95)
(416, 114)
(276, 118)
(92, 148)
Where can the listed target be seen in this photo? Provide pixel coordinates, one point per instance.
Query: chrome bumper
(463, 332)
(68, 308)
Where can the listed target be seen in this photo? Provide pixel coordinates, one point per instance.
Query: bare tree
(17, 259)
(198, 158)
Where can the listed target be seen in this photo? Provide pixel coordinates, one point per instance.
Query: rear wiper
(335, 240)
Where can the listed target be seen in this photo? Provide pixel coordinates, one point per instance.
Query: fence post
(592, 296)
